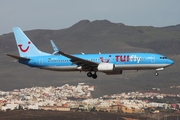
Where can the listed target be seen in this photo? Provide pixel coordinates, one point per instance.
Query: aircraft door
(40, 61)
(152, 59)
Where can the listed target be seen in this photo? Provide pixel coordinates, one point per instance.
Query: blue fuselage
(123, 61)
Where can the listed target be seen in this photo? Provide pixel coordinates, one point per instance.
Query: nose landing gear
(159, 69)
(156, 73)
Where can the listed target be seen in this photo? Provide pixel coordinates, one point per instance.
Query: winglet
(56, 50)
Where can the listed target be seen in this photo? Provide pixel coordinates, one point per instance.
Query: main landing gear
(93, 75)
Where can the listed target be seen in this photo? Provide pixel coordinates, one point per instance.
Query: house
(130, 109)
(9, 107)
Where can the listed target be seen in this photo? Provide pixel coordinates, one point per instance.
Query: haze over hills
(93, 37)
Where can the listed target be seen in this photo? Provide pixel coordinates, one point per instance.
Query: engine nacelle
(106, 67)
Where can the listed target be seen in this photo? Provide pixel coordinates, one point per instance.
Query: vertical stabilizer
(25, 47)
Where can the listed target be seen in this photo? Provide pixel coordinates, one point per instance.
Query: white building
(10, 107)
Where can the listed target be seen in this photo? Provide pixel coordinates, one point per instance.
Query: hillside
(93, 37)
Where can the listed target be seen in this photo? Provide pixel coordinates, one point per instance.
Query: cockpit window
(163, 57)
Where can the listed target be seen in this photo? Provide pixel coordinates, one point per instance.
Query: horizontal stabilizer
(18, 57)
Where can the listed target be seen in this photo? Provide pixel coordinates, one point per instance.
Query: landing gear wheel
(89, 74)
(156, 73)
(94, 76)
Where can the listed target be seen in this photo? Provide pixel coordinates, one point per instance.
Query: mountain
(93, 37)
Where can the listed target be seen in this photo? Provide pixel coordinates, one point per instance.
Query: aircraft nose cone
(170, 62)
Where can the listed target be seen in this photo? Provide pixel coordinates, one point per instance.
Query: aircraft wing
(85, 64)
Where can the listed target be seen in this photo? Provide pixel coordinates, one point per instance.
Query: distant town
(79, 98)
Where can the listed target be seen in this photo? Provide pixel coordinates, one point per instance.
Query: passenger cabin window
(163, 57)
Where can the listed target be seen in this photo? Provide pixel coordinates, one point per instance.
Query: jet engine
(106, 67)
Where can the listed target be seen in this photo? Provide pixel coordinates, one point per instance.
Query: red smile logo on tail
(24, 50)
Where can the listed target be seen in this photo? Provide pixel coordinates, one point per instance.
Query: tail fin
(25, 47)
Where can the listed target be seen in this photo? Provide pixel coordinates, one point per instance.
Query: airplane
(109, 63)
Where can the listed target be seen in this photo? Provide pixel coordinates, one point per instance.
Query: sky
(60, 14)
